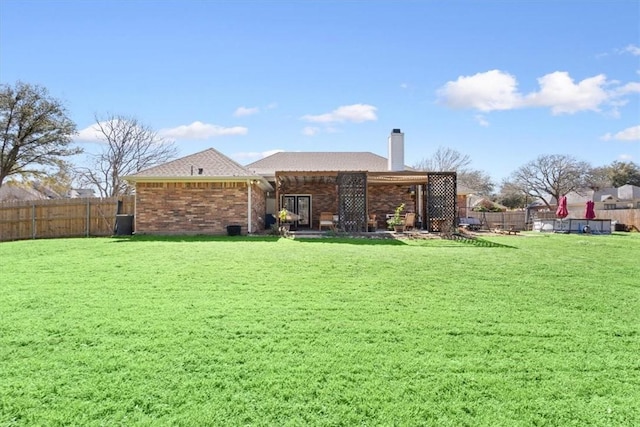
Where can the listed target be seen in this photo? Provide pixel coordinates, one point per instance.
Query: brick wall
(383, 199)
(323, 198)
(258, 209)
(193, 208)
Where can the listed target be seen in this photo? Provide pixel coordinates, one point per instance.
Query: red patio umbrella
(589, 213)
(562, 211)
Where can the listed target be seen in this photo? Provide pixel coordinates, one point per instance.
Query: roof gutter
(261, 181)
(249, 211)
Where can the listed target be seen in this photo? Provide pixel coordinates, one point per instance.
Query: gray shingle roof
(213, 164)
(9, 192)
(319, 161)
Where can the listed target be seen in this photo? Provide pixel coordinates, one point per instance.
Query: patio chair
(326, 220)
(372, 222)
(409, 222)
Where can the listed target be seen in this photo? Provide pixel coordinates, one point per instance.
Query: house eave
(373, 177)
(261, 181)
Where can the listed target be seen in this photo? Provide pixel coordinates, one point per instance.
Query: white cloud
(246, 111)
(493, 90)
(633, 87)
(625, 157)
(633, 50)
(90, 134)
(404, 86)
(272, 106)
(199, 130)
(482, 121)
(271, 152)
(496, 90)
(310, 131)
(356, 113)
(562, 95)
(628, 134)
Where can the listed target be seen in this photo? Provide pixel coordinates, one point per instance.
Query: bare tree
(128, 147)
(512, 196)
(477, 181)
(445, 160)
(449, 160)
(551, 176)
(35, 132)
(59, 180)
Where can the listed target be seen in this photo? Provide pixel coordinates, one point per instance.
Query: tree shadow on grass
(444, 240)
(352, 241)
(355, 240)
(476, 241)
(194, 238)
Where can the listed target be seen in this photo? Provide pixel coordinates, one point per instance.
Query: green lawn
(508, 331)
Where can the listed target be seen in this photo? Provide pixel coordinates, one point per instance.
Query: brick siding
(195, 207)
(383, 199)
(258, 209)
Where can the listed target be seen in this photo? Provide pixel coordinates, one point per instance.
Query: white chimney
(396, 151)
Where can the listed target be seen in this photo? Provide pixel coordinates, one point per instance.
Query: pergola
(435, 192)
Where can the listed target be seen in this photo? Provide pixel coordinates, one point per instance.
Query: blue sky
(502, 81)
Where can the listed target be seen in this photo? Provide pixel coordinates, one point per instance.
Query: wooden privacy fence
(622, 216)
(39, 219)
(509, 219)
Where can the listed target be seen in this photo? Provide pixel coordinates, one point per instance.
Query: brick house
(202, 193)
(205, 192)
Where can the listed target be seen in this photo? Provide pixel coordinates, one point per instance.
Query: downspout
(249, 228)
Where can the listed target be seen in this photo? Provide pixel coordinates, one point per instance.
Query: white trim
(249, 185)
(264, 184)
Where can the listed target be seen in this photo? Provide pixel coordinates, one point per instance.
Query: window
(609, 206)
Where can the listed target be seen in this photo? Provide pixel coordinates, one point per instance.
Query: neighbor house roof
(10, 192)
(319, 161)
(629, 192)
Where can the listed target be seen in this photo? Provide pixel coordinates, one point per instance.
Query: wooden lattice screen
(440, 202)
(352, 201)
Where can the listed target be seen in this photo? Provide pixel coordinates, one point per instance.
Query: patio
(351, 197)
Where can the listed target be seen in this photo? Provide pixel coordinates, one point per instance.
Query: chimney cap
(396, 131)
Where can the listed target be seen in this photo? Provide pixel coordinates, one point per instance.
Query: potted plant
(284, 225)
(396, 222)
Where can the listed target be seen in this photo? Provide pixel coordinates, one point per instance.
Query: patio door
(301, 206)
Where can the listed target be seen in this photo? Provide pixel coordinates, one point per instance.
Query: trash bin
(269, 221)
(234, 230)
(620, 227)
(124, 225)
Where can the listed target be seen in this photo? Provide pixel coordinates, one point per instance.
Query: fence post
(33, 221)
(88, 228)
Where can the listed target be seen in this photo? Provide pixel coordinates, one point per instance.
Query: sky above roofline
(500, 81)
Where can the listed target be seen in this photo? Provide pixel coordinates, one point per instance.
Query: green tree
(616, 174)
(511, 196)
(622, 173)
(36, 133)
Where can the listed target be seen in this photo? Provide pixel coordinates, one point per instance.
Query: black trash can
(620, 227)
(124, 225)
(234, 230)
